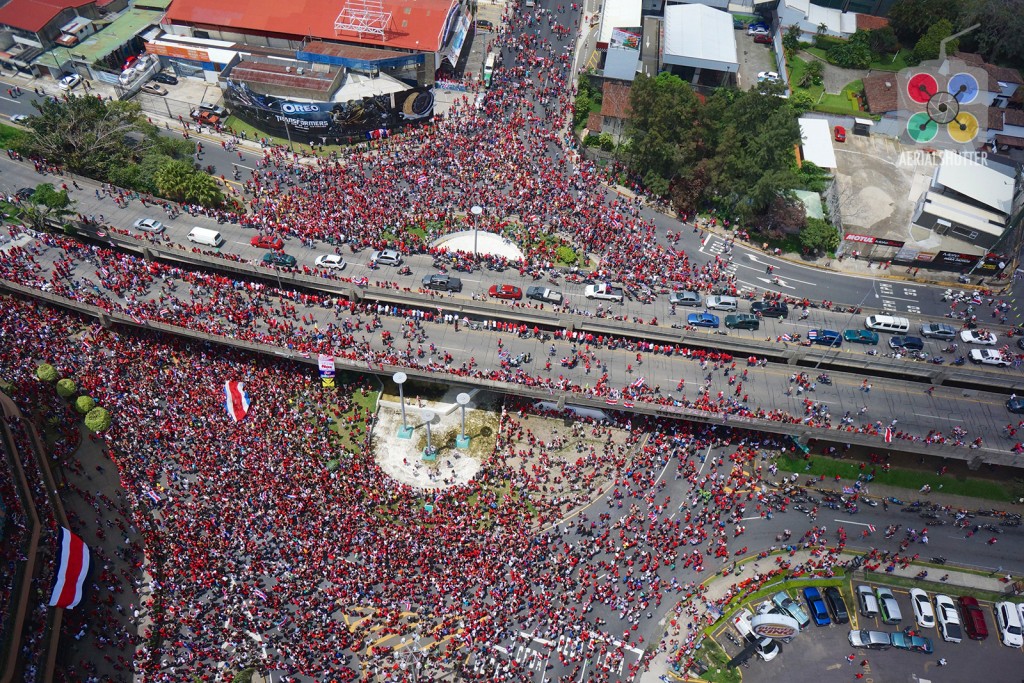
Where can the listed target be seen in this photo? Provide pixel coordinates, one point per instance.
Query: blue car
(702, 320)
(817, 606)
(825, 337)
(861, 336)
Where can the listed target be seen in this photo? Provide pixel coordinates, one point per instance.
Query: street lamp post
(429, 453)
(462, 441)
(410, 656)
(405, 431)
(476, 211)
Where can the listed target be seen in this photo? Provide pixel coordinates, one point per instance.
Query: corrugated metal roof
(33, 15)
(698, 32)
(415, 24)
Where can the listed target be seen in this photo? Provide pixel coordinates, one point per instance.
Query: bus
(489, 69)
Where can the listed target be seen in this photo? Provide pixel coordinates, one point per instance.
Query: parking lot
(754, 58)
(820, 652)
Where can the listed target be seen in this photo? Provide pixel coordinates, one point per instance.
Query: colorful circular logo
(922, 128)
(937, 102)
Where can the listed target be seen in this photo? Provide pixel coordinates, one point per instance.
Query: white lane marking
(940, 417)
(846, 521)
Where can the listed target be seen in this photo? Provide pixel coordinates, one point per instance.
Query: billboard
(329, 122)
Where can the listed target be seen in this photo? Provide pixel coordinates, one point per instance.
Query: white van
(887, 323)
(210, 238)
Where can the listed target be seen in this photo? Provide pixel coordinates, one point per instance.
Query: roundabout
(487, 244)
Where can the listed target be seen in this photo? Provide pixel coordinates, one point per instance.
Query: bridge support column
(105, 320)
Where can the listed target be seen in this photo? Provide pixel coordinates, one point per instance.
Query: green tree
(172, 179)
(665, 130)
(47, 204)
(801, 101)
(84, 404)
(47, 373)
(819, 236)
(1002, 25)
(883, 40)
(855, 53)
(928, 46)
(97, 420)
(822, 29)
(813, 74)
(66, 388)
(791, 40)
(581, 109)
(910, 19)
(202, 189)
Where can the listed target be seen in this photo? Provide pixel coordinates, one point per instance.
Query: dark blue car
(817, 606)
(825, 337)
(702, 320)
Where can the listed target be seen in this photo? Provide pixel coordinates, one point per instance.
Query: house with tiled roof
(29, 27)
(1005, 129)
(615, 108)
(881, 92)
(1003, 82)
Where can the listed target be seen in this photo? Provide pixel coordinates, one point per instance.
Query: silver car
(149, 225)
(938, 331)
(873, 640)
(686, 298)
(387, 257)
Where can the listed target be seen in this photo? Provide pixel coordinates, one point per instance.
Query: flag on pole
(74, 565)
(236, 400)
(260, 594)
(639, 383)
(786, 337)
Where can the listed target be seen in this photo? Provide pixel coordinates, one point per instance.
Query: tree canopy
(735, 148)
(111, 141)
(46, 203)
(997, 39)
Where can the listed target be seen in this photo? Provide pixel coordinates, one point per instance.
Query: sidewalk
(718, 587)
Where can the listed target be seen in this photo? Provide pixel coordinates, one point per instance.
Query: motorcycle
(405, 270)
(960, 360)
(939, 560)
(824, 379)
(937, 360)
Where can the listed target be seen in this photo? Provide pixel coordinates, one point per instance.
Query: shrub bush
(84, 404)
(828, 42)
(98, 420)
(66, 388)
(46, 372)
(566, 255)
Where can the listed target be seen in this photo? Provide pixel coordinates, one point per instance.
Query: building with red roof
(28, 27)
(419, 26)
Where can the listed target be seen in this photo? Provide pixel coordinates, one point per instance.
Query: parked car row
(940, 612)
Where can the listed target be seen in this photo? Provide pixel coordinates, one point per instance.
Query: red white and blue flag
(639, 383)
(236, 400)
(888, 434)
(74, 565)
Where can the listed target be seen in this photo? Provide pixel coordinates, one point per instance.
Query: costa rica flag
(236, 400)
(74, 565)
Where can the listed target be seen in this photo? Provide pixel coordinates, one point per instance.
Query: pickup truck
(545, 295)
(604, 291)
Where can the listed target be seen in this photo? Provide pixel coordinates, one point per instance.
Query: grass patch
(255, 134)
(716, 659)
(359, 402)
(934, 586)
(818, 52)
(898, 476)
(888, 62)
(9, 135)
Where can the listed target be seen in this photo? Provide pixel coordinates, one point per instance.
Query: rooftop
(615, 100)
(881, 92)
(869, 22)
(33, 15)
(817, 143)
(979, 182)
(368, 54)
(699, 33)
(415, 24)
(283, 75)
(112, 37)
(619, 14)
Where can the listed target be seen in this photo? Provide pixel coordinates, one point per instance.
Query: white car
(755, 30)
(948, 618)
(923, 612)
(770, 76)
(19, 118)
(330, 261)
(70, 81)
(767, 649)
(988, 357)
(1008, 621)
(149, 225)
(983, 337)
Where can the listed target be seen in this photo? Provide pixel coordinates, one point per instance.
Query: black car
(1015, 405)
(24, 193)
(166, 79)
(907, 343)
(445, 283)
(770, 309)
(836, 604)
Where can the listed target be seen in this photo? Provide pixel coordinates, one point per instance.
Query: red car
(267, 242)
(840, 134)
(763, 38)
(505, 292)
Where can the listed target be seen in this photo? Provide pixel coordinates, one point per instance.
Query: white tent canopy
(701, 37)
